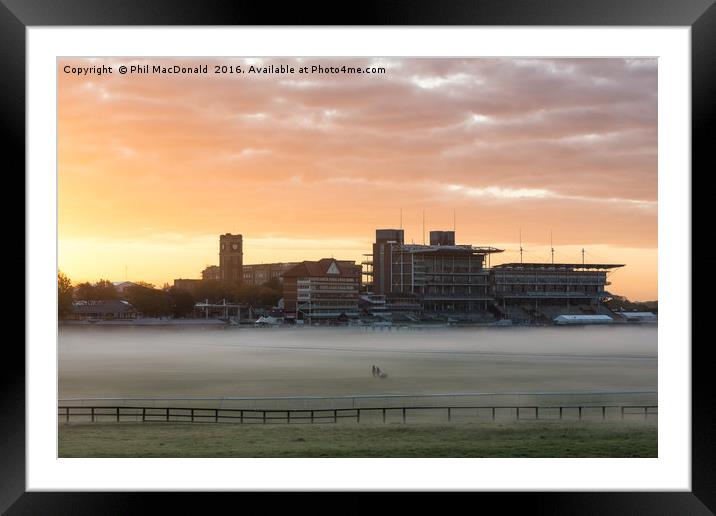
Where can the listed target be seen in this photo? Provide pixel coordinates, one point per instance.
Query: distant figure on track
(380, 373)
(375, 373)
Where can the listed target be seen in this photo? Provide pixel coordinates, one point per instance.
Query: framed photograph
(422, 252)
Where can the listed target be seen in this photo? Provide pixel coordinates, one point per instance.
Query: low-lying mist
(133, 361)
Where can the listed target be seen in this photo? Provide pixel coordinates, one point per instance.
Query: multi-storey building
(257, 274)
(323, 290)
(441, 277)
(212, 272)
(531, 291)
(231, 258)
(189, 285)
(385, 241)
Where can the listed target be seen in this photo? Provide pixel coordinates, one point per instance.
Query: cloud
(507, 142)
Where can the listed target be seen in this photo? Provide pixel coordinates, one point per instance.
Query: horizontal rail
(288, 416)
(355, 396)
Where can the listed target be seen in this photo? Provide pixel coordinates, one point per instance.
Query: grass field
(125, 362)
(512, 439)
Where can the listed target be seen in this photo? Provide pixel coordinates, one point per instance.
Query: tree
(266, 295)
(618, 303)
(101, 290)
(211, 290)
(274, 284)
(269, 296)
(181, 302)
(64, 295)
(271, 292)
(148, 301)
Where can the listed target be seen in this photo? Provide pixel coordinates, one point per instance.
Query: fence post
(358, 416)
(560, 412)
(518, 412)
(383, 415)
(622, 412)
(335, 416)
(144, 414)
(288, 417)
(580, 412)
(264, 417)
(604, 413)
(192, 415)
(403, 414)
(92, 411)
(536, 412)
(117, 414)
(68, 413)
(646, 413)
(167, 414)
(449, 415)
(311, 416)
(216, 415)
(493, 413)
(241, 416)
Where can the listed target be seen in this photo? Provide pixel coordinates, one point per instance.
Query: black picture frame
(17, 15)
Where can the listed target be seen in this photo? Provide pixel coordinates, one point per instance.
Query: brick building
(231, 258)
(257, 274)
(322, 291)
(212, 272)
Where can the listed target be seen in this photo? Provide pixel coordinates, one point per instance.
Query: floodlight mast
(521, 245)
(423, 226)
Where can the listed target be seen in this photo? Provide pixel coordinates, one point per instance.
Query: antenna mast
(521, 245)
(582, 256)
(453, 220)
(423, 226)
(551, 247)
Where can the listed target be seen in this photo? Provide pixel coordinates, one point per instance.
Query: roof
(121, 285)
(582, 318)
(275, 265)
(106, 306)
(267, 320)
(326, 267)
(637, 314)
(461, 249)
(547, 266)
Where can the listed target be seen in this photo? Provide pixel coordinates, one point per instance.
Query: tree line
(619, 303)
(168, 301)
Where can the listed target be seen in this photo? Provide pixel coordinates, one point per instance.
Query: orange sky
(152, 168)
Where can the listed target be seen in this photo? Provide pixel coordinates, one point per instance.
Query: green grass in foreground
(513, 439)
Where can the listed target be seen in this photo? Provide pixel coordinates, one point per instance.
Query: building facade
(211, 272)
(257, 274)
(109, 309)
(441, 277)
(322, 291)
(534, 291)
(380, 262)
(231, 258)
(187, 284)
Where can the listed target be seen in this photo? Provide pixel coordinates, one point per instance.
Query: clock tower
(231, 258)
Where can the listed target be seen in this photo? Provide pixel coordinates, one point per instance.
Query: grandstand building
(542, 291)
(439, 278)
